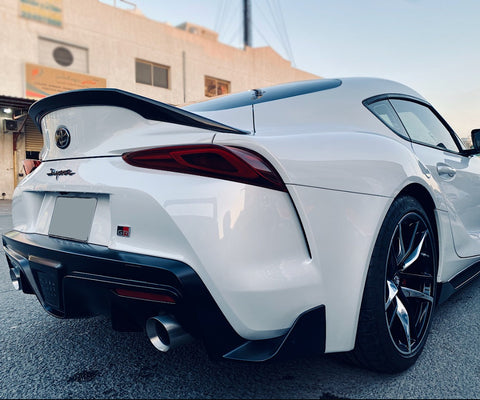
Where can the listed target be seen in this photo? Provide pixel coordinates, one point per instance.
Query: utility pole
(247, 24)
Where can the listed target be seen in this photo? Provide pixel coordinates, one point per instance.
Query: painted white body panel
(265, 256)
(252, 259)
(461, 193)
(106, 130)
(369, 163)
(341, 253)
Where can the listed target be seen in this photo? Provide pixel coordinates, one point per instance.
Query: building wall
(114, 39)
(6, 165)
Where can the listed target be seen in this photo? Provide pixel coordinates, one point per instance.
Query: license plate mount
(72, 218)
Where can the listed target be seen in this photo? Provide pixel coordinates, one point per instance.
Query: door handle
(445, 171)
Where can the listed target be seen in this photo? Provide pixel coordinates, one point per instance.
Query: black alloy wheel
(400, 291)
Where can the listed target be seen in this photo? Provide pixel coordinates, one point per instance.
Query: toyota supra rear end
(296, 219)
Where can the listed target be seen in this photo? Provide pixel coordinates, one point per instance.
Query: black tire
(400, 291)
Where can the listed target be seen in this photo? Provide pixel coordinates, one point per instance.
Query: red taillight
(230, 163)
(164, 298)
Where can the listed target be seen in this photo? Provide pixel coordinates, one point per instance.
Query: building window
(32, 155)
(216, 87)
(151, 74)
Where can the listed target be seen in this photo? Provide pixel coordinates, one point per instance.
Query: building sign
(44, 81)
(45, 11)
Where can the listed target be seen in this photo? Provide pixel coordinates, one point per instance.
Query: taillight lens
(222, 162)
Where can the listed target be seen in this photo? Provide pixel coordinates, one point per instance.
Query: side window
(423, 126)
(385, 112)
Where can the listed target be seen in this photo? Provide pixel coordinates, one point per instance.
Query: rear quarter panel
(342, 185)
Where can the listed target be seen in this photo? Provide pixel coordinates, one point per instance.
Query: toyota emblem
(62, 137)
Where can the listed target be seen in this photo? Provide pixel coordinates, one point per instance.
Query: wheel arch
(367, 324)
(421, 194)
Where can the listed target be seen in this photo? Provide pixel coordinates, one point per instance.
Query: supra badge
(56, 174)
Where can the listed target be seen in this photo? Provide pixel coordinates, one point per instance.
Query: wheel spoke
(415, 253)
(407, 251)
(392, 293)
(402, 315)
(422, 317)
(415, 277)
(401, 246)
(392, 318)
(408, 292)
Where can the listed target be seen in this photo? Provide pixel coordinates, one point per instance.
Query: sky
(432, 46)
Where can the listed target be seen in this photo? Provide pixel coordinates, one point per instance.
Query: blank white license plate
(72, 218)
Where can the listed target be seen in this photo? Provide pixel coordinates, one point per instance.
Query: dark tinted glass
(160, 76)
(143, 73)
(385, 112)
(423, 125)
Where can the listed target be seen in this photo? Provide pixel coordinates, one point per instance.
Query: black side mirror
(476, 139)
(475, 150)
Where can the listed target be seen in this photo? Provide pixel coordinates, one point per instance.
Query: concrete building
(49, 46)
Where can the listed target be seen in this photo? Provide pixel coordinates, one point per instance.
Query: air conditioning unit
(9, 125)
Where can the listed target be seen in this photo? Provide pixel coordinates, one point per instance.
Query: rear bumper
(75, 280)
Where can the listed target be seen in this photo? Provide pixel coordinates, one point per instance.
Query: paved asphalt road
(43, 357)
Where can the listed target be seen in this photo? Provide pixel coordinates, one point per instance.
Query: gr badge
(123, 231)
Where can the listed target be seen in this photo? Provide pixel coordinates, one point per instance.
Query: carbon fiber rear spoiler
(147, 108)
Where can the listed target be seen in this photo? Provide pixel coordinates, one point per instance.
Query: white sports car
(318, 216)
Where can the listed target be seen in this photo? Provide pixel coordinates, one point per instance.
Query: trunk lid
(109, 122)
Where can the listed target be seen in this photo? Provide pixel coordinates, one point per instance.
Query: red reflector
(222, 162)
(164, 298)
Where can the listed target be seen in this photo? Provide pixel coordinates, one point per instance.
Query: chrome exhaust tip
(165, 333)
(16, 278)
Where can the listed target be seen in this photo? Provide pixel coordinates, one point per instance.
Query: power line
(263, 37)
(280, 28)
(236, 35)
(231, 16)
(285, 33)
(264, 19)
(220, 15)
(273, 19)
